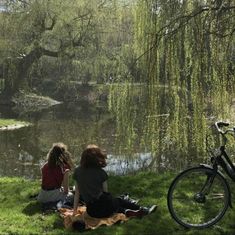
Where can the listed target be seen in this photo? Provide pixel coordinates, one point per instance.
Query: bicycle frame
(223, 160)
(210, 185)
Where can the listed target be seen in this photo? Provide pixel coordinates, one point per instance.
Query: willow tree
(194, 43)
(34, 29)
(186, 49)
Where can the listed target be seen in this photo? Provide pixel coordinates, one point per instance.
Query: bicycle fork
(200, 197)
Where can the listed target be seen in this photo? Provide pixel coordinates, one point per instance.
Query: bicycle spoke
(188, 203)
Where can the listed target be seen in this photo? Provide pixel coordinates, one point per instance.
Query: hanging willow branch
(179, 22)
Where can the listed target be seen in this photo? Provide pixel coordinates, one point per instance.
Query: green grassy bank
(6, 122)
(21, 215)
(11, 123)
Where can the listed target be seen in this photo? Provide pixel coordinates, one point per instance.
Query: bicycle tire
(181, 198)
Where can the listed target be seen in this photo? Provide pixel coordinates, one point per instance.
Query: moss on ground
(21, 214)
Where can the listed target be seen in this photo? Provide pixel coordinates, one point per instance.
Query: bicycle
(199, 196)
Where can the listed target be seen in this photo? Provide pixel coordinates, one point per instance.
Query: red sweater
(52, 178)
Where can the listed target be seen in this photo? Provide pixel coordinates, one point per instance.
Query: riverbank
(21, 215)
(11, 124)
(30, 102)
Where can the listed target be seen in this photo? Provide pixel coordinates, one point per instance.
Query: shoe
(134, 201)
(148, 210)
(141, 212)
(129, 199)
(134, 213)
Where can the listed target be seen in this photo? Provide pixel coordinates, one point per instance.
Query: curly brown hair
(93, 156)
(57, 155)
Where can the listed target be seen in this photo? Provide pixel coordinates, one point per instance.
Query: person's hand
(74, 211)
(66, 192)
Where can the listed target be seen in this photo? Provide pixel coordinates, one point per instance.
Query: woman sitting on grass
(91, 184)
(55, 174)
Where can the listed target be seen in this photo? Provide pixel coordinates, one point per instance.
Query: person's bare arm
(65, 183)
(105, 186)
(76, 199)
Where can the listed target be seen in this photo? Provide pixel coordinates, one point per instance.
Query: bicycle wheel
(196, 200)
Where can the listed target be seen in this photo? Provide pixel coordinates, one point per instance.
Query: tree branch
(53, 19)
(78, 42)
(49, 53)
(186, 18)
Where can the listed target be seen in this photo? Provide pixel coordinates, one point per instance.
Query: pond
(141, 128)
(24, 150)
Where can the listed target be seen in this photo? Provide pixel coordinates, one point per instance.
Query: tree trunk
(16, 72)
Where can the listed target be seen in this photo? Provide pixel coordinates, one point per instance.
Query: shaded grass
(21, 215)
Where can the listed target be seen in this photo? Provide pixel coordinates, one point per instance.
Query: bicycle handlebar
(220, 125)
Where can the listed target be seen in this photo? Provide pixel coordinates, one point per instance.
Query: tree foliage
(79, 39)
(185, 50)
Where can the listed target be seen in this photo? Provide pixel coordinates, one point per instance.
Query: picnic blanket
(88, 221)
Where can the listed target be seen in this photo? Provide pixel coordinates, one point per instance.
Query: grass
(10, 122)
(21, 215)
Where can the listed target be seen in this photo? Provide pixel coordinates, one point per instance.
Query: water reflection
(156, 128)
(167, 121)
(23, 151)
(121, 165)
